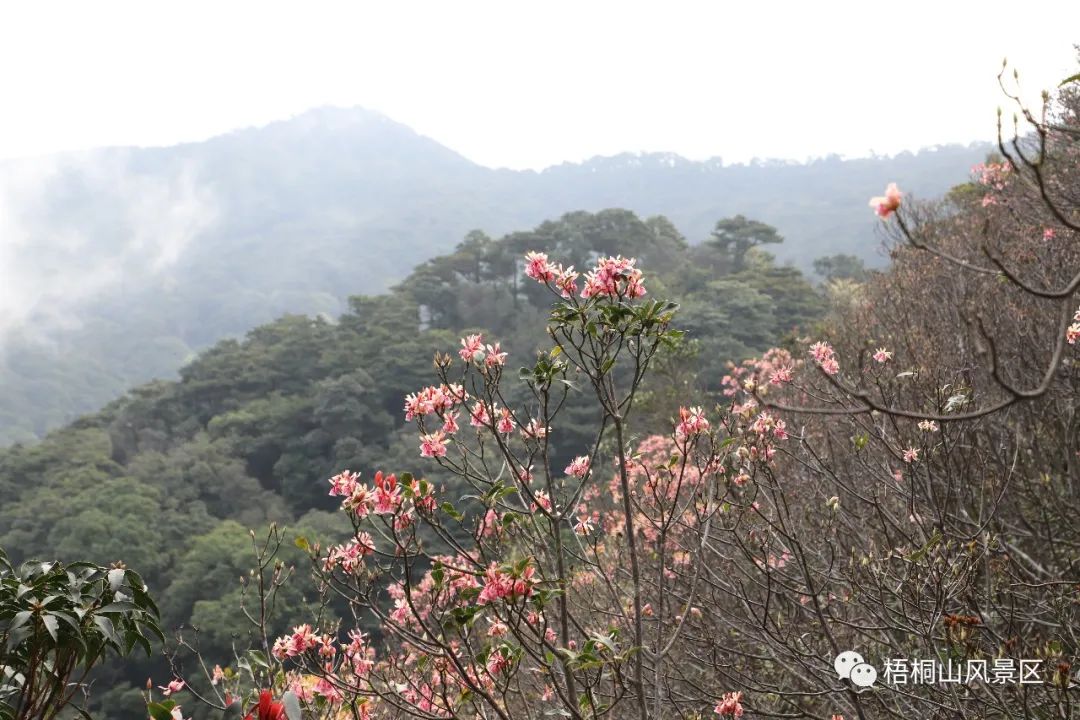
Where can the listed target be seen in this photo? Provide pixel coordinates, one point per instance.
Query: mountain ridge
(117, 265)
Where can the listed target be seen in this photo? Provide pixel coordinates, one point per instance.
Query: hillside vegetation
(118, 265)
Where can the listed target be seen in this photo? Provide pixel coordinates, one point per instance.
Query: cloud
(76, 227)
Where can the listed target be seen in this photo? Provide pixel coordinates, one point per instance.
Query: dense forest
(130, 261)
(171, 477)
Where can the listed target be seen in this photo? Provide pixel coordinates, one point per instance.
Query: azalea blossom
(730, 704)
(566, 281)
(692, 422)
(780, 375)
(495, 356)
(506, 422)
(614, 277)
(882, 355)
(825, 357)
(928, 426)
(174, 686)
(478, 416)
(889, 203)
(579, 467)
(538, 268)
(1048, 233)
(472, 348)
(535, 430)
(911, 455)
(433, 444)
(584, 525)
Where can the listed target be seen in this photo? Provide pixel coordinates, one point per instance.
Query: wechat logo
(851, 666)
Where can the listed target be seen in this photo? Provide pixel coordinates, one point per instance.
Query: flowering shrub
(903, 483)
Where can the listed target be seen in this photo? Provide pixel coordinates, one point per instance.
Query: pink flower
(928, 426)
(890, 203)
(172, 687)
(302, 640)
(506, 422)
(433, 445)
(495, 356)
(535, 430)
(779, 376)
(882, 355)
(911, 455)
(343, 484)
(387, 491)
(825, 358)
(450, 425)
(472, 348)
(691, 422)
(578, 467)
(614, 277)
(497, 662)
(538, 268)
(478, 416)
(218, 675)
(730, 704)
(1048, 234)
(567, 281)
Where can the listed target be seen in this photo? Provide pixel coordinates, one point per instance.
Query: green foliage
(59, 621)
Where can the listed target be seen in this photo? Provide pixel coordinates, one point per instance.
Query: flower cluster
(730, 704)
(473, 350)
(1072, 334)
(303, 638)
(500, 584)
(614, 277)
(886, 205)
(825, 357)
(775, 367)
(692, 422)
(433, 400)
(579, 467)
(992, 175)
(350, 556)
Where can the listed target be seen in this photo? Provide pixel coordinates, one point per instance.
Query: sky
(532, 84)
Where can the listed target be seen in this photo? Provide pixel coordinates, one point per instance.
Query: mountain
(117, 265)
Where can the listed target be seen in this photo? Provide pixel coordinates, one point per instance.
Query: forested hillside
(171, 477)
(116, 266)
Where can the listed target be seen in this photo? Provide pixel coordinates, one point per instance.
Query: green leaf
(20, 619)
(1066, 81)
(161, 710)
(51, 624)
(107, 629)
(302, 543)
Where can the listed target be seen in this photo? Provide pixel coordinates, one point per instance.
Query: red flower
(268, 709)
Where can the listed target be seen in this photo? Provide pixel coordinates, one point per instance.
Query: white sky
(520, 84)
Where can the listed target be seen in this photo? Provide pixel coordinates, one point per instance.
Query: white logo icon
(851, 665)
